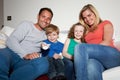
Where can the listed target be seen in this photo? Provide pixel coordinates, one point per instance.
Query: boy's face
(52, 36)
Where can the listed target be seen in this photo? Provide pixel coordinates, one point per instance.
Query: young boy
(52, 48)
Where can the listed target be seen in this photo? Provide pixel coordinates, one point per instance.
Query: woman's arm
(108, 34)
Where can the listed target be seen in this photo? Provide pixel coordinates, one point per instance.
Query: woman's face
(89, 17)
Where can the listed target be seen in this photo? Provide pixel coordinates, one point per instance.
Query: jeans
(56, 67)
(21, 69)
(69, 69)
(91, 60)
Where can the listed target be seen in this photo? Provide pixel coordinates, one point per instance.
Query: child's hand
(45, 46)
(57, 56)
(61, 56)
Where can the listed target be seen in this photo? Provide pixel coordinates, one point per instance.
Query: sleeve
(13, 42)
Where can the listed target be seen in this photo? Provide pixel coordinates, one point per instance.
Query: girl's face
(52, 36)
(89, 17)
(78, 32)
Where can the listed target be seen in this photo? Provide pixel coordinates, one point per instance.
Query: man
(22, 55)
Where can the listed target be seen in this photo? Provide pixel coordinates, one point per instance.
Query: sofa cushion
(7, 30)
(112, 74)
(3, 38)
(43, 77)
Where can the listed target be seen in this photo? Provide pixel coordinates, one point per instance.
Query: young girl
(75, 36)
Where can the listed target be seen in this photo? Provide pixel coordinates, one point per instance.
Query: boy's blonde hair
(51, 28)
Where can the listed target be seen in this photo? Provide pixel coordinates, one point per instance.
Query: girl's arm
(65, 48)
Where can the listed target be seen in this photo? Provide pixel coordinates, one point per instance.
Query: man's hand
(32, 56)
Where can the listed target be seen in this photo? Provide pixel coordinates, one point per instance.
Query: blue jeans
(21, 69)
(69, 69)
(91, 60)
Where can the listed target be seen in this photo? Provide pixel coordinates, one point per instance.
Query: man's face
(44, 19)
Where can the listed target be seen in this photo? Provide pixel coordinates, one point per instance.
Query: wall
(65, 11)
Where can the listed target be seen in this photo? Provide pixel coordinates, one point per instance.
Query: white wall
(65, 11)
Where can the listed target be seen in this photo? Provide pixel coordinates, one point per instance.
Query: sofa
(111, 74)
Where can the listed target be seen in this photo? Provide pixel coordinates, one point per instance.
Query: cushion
(3, 38)
(7, 30)
(43, 77)
(112, 74)
(63, 36)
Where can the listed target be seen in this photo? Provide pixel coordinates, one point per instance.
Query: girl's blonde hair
(92, 9)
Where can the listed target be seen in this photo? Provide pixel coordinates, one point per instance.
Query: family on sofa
(87, 52)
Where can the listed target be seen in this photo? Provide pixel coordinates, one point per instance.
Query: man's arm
(13, 42)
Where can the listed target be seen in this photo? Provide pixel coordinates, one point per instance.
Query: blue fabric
(104, 57)
(55, 47)
(69, 69)
(21, 69)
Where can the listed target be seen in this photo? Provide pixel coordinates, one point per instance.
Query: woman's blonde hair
(92, 9)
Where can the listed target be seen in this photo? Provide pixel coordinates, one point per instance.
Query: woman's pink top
(96, 36)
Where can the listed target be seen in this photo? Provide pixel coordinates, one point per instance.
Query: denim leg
(109, 57)
(31, 70)
(4, 64)
(7, 59)
(59, 66)
(95, 69)
(69, 69)
(52, 71)
(80, 63)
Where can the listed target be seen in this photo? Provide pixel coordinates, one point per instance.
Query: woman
(99, 54)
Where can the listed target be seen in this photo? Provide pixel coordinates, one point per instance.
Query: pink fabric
(96, 36)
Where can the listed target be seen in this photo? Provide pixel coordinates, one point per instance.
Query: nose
(87, 18)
